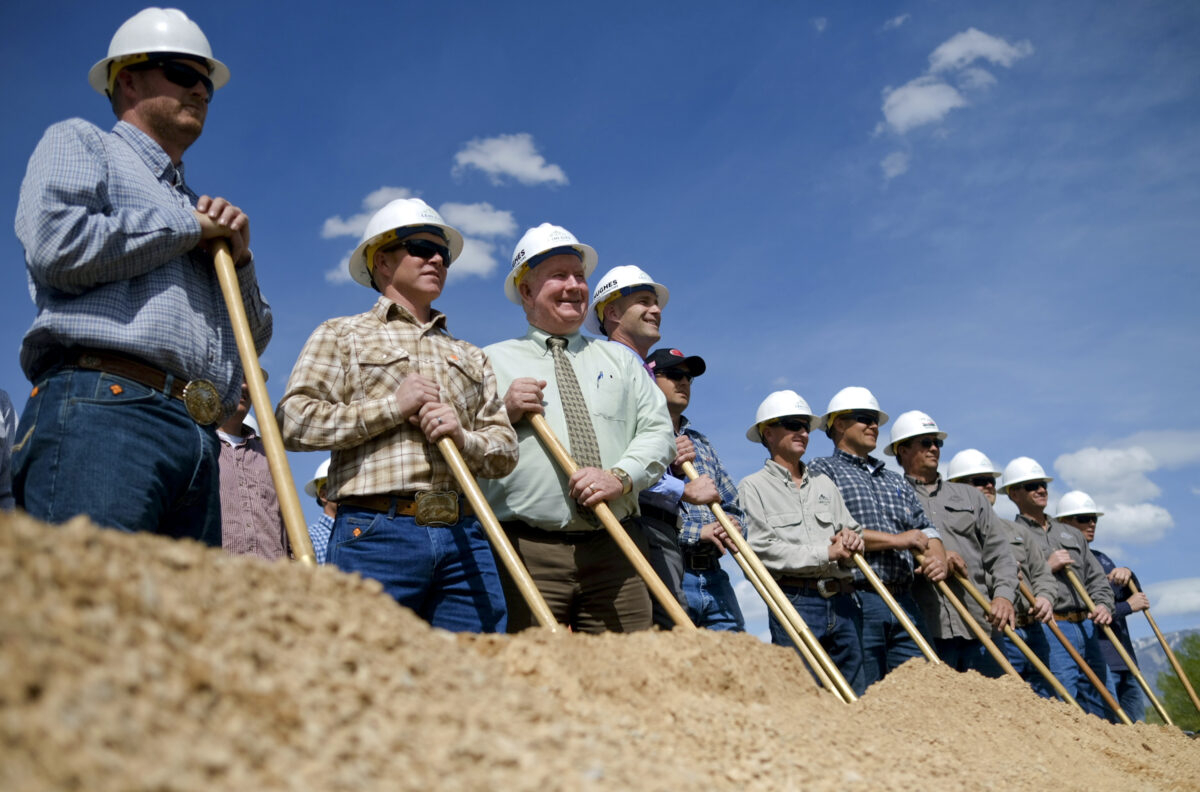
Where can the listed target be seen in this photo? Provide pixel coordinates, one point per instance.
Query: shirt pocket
(608, 400)
(958, 521)
(381, 369)
(464, 388)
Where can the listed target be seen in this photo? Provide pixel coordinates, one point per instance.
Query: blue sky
(985, 211)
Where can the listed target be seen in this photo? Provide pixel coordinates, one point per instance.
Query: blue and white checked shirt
(110, 247)
(879, 500)
(693, 517)
(319, 533)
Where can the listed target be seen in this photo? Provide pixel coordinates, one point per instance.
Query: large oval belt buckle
(437, 507)
(202, 401)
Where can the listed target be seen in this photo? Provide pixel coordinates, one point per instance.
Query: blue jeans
(1035, 636)
(885, 643)
(1125, 689)
(1082, 636)
(837, 625)
(446, 574)
(967, 654)
(128, 457)
(711, 603)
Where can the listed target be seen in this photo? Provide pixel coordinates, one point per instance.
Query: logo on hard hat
(612, 284)
(517, 258)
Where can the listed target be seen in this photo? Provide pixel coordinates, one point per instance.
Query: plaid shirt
(879, 500)
(693, 517)
(110, 248)
(319, 533)
(251, 523)
(340, 398)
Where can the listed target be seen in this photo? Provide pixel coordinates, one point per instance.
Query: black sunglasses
(178, 73)
(863, 417)
(983, 481)
(930, 442)
(1033, 486)
(422, 248)
(1089, 519)
(675, 375)
(791, 424)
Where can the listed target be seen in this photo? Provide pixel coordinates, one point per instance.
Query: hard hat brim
(590, 259)
(891, 446)
(592, 323)
(98, 74)
(357, 264)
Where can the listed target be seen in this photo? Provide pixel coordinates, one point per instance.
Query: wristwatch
(623, 477)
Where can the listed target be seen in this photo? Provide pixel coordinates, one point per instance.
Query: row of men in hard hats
(131, 351)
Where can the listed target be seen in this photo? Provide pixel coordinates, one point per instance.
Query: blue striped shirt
(879, 500)
(110, 248)
(693, 517)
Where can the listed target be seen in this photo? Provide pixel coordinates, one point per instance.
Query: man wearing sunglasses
(1025, 483)
(709, 596)
(973, 467)
(798, 524)
(893, 526)
(379, 390)
(131, 349)
(976, 547)
(1078, 509)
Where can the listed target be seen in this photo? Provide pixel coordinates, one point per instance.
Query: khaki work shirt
(1031, 559)
(1058, 536)
(789, 526)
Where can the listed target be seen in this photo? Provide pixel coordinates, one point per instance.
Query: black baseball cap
(664, 358)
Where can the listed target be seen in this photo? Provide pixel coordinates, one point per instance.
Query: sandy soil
(135, 663)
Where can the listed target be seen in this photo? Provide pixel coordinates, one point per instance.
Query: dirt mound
(135, 663)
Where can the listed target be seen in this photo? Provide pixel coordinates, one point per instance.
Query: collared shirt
(789, 526)
(341, 398)
(319, 533)
(880, 500)
(1031, 559)
(1120, 611)
(8, 430)
(110, 248)
(629, 415)
(694, 517)
(1060, 536)
(970, 528)
(251, 523)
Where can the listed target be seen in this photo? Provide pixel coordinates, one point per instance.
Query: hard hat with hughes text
(1076, 502)
(155, 31)
(322, 472)
(970, 462)
(398, 219)
(913, 423)
(540, 243)
(848, 399)
(1019, 471)
(618, 282)
(779, 404)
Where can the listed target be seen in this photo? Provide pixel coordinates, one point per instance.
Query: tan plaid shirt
(340, 398)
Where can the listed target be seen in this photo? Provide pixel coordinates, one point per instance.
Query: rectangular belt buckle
(824, 587)
(202, 401)
(436, 507)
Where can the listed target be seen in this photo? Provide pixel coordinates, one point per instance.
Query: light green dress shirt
(629, 414)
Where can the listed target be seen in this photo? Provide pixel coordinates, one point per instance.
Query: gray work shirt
(1031, 559)
(1060, 536)
(789, 525)
(970, 528)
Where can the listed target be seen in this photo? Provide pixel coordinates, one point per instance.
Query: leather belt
(896, 589)
(662, 515)
(826, 587)
(524, 529)
(199, 396)
(701, 561)
(1074, 617)
(431, 507)
(1023, 620)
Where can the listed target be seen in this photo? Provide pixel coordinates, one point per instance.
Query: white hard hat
(1019, 471)
(970, 463)
(156, 31)
(251, 422)
(534, 246)
(1076, 502)
(616, 282)
(777, 405)
(411, 214)
(851, 398)
(911, 424)
(322, 472)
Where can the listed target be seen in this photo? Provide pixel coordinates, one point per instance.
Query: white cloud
(1175, 597)
(477, 258)
(894, 164)
(975, 79)
(1110, 475)
(354, 225)
(1140, 523)
(925, 100)
(963, 49)
(479, 219)
(820, 23)
(513, 156)
(896, 22)
(340, 273)
(1171, 449)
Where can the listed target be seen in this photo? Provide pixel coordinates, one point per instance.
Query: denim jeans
(967, 654)
(1037, 638)
(1125, 689)
(446, 574)
(837, 625)
(1082, 636)
(885, 643)
(127, 456)
(711, 603)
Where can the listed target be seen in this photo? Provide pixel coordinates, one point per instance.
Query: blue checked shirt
(319, 533)
(693, 517)
(110, 248)
(879, 500)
